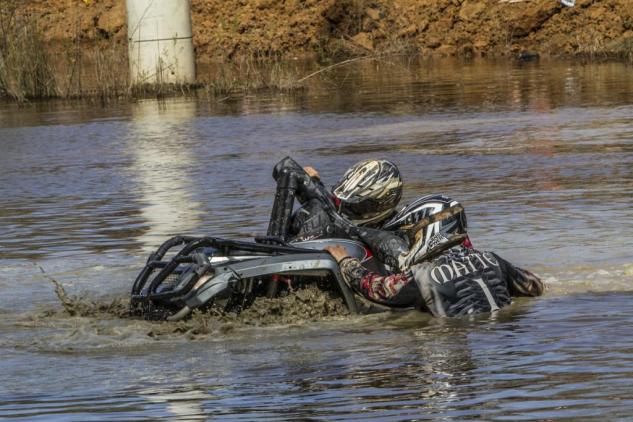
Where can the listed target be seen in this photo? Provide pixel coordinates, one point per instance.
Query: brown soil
(227, 29)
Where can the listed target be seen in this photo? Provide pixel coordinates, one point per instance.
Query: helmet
(369, 191)
(427, 237)
(422, 208)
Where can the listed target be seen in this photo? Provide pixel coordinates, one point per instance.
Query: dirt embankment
(228, 29)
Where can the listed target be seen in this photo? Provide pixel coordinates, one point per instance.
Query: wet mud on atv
(188, 273)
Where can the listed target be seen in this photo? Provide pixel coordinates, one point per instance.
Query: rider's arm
(385, 245)
(371, 285)
(520, 282)
(292, 183)
(303, 180)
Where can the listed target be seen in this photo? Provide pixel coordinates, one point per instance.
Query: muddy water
(541, 155)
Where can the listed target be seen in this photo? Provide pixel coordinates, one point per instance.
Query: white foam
(587, 279)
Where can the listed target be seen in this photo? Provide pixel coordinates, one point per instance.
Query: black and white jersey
(459, 281)
(463, 281)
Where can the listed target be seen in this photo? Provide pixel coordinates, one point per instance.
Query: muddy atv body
(188, 273)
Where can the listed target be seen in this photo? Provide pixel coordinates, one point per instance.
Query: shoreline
(252, 44)
(218, 82)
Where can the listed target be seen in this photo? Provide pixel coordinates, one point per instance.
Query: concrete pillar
(160, 41)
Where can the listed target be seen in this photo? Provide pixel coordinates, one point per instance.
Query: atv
(188, 273)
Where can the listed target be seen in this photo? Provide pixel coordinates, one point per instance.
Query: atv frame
(208, 271)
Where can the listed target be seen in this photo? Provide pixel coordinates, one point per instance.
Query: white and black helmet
(369, 191)
(430, 236)
(425, 207)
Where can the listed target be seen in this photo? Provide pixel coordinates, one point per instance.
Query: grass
(250, 75)
(98, 71)
(95, 71)
(594, 48)
(624, 49)
(25, 69)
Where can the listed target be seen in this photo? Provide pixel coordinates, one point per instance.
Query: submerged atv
(188, 273)
(229, 275)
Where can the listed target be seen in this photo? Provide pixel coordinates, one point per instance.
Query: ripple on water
(539, 154)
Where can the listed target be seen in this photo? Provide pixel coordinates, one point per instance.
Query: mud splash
(308, 304)
(77, 306)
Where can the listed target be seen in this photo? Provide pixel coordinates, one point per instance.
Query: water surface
(539, 154)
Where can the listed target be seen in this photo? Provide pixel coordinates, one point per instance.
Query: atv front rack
(208, 269)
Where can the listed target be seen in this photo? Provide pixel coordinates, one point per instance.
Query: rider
(357, 207)
(366, 195)
(443, 274)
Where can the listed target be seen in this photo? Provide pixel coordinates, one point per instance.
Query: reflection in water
(163, 159)
(180, 405)
(541, 155)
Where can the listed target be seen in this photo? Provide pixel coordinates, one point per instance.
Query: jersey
(459, 281)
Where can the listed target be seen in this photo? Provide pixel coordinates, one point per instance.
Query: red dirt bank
(226, 29)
